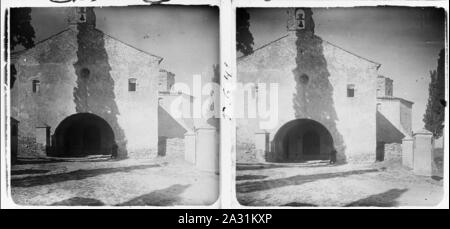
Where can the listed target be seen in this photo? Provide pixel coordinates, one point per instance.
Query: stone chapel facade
(326, 98)
(83, 92)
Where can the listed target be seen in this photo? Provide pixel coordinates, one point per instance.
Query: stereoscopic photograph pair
(121, 106)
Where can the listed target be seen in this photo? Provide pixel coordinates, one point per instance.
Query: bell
(301, 24)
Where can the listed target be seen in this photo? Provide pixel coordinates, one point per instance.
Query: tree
(434, 114)
(244, 38)
(22, 33)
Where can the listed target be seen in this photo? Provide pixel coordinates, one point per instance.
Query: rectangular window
(350, 90)
(132, 84)
(36, 85)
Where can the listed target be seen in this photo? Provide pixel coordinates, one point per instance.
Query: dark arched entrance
(311, 143)
(83, 134)
(301, 140)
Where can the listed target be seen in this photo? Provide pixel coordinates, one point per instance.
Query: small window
(36, 85)
(132, 84)
(350, 90)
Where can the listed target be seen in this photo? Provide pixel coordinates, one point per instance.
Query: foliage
(244, 38)
(434, 115)
(22, 33)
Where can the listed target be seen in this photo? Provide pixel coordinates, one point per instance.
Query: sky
(405, 41)
(186, 37)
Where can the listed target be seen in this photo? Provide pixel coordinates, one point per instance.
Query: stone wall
(247, 153)
(393, 152)
(385, 86)
(27, 147)
(166, 80)
(175, 148)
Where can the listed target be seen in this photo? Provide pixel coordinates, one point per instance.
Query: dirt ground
(316, 183)
(120, 183)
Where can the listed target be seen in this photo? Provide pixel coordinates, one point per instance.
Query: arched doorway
(83, 134)
(301, 140)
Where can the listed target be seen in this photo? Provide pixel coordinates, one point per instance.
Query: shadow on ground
(50, 160)
(260, 166)
(250, 177)
(28, 171)
(298, 204)
(34, 162)
(79, 201)
(240, 166)
(385, 199)
(74, 175)
(162, 197)
(294, 180)
(437, 178)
